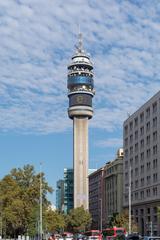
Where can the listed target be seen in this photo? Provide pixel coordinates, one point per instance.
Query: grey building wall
(141, 138)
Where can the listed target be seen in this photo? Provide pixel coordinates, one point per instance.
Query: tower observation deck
(80, 93)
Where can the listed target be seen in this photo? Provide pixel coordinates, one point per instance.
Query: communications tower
(80, 93)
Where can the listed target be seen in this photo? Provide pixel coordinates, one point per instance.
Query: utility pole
(1, 220)
(151, 227)
(40, 204)
(129, 197)
(1, 226)
(101, 214)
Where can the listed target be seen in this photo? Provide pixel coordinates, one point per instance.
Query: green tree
(19, 198)
(78, 219)
(122, 220)
(54, 221)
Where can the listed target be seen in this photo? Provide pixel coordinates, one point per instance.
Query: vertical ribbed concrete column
(80, 152)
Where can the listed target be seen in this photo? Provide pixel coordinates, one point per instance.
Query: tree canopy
(78, 219)
(19, 203)
(122, 219)
(20, 206)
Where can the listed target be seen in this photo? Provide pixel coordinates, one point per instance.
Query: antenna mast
(40, 204)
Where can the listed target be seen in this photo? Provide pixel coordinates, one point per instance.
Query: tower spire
(79, 46)
(80, 42)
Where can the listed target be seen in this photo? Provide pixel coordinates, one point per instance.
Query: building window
(136, 135)
(148, 218)
(136, 147)
(155, 163)
(155, 219)
(126, 153)
(142, 117)
(126, 198)
(136, 159)
(131, 150)
(155, 136)
(148, 127)
(136, 184)
(142, 168)
(131, 162)
(136, 171)
(142, 194)
(142, 143)
(131, 138)
(136, 122)
(154, 149)
(126, 164)
(142, 156)
(126, 175)
(131, 126)
(154, 122)
(147, 112)
(154, 107)
(142, 131)
(136, 195)
(148, 153)
(126, 130)
(126, 142)
(142, 182)
(148, 180)
(148, 192)
(132, 174)
(148, 166)
(155, 210)
(148, 140)
(155, 177)
(154, 191)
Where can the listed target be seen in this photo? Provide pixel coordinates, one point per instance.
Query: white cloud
(37, 41)
(110, 143)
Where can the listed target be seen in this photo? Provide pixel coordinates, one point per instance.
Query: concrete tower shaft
(80, 92)
(80, 151)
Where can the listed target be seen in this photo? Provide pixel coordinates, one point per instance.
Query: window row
(147, 211)
(149, 165)
(141, 195)
(140, 183)
(142, 141)
(147, 126)
(132, 150)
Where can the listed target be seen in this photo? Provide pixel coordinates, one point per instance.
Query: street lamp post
(40, 205)
(129, 198)
(100, 214)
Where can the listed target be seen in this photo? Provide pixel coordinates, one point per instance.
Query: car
(67, 236)
(151, 237)
(133, 236)
(79, 236)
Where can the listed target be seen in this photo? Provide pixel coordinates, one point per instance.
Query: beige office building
(142, 157)
(113, 187)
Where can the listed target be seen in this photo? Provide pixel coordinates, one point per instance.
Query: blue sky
(37, 40)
